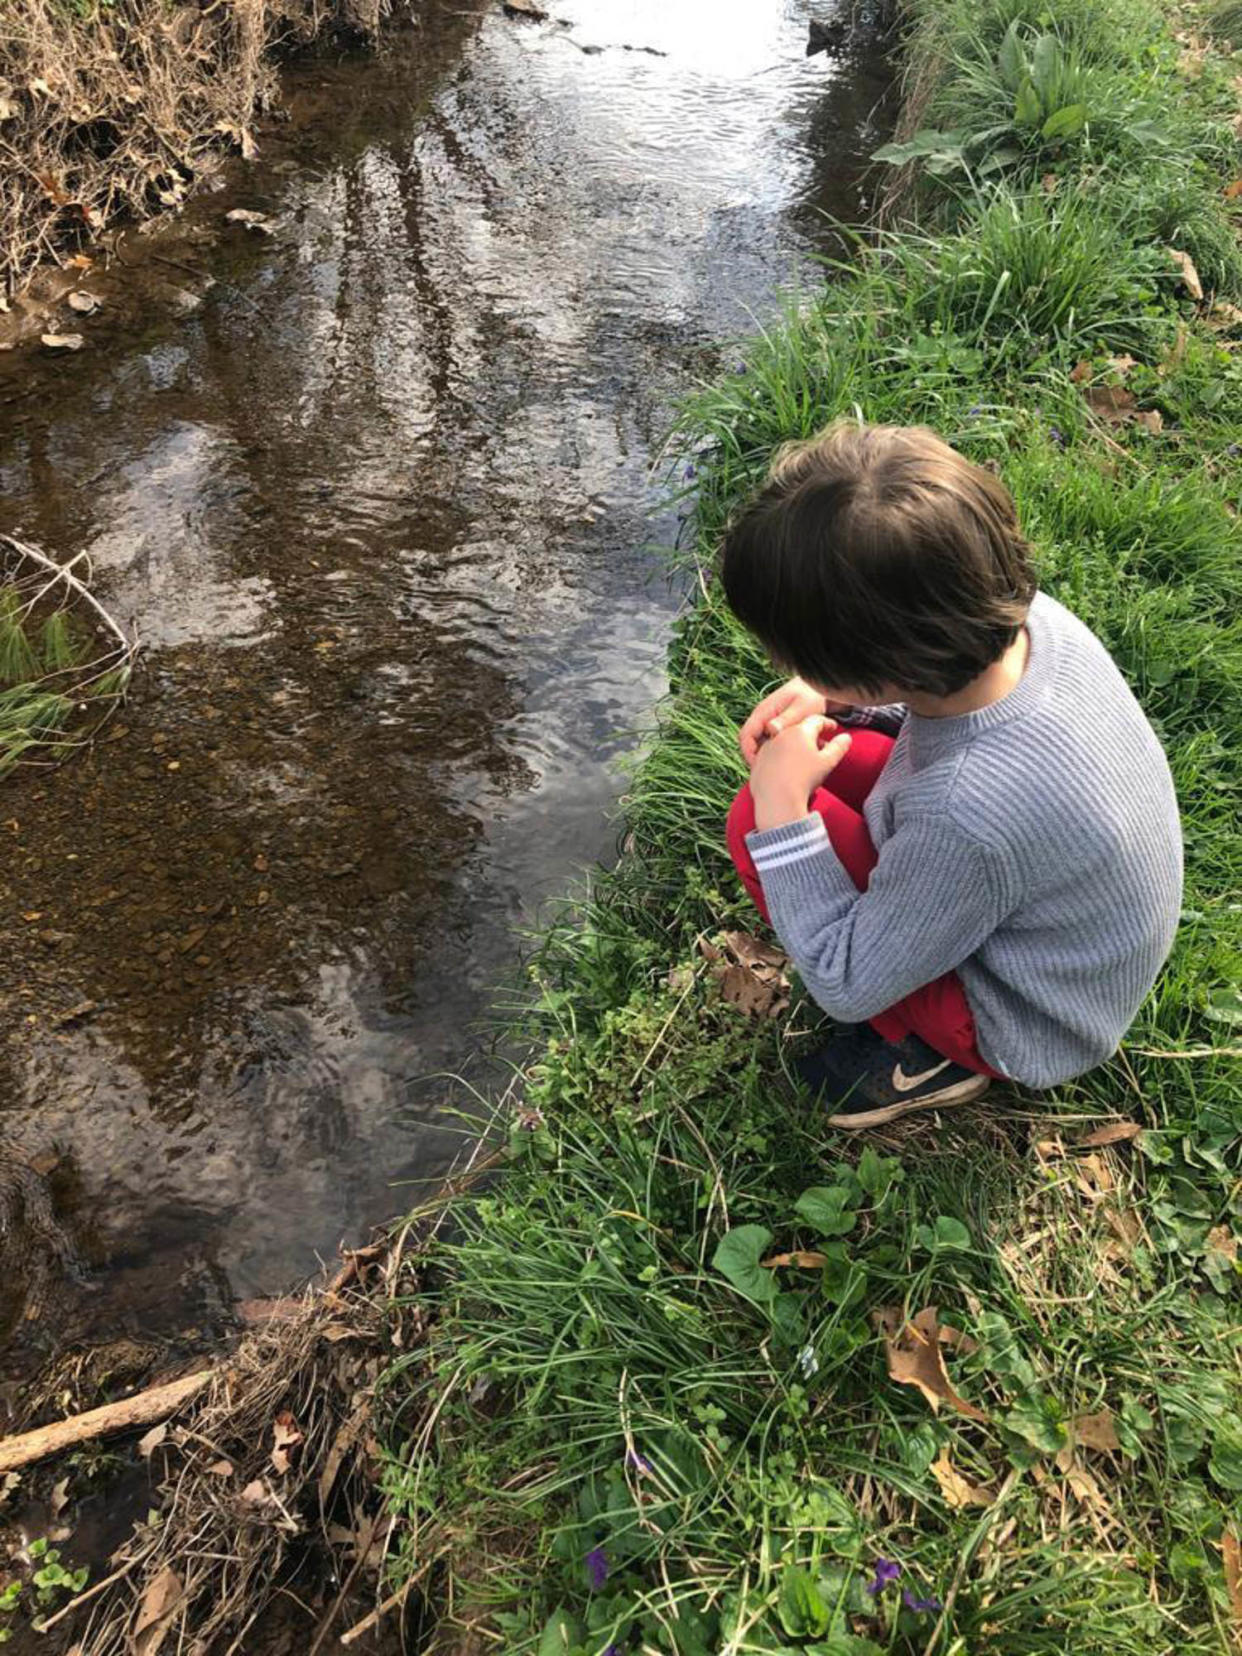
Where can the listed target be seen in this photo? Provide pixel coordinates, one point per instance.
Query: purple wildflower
(640, 1463)
(973, 410)
(612, 1650)
(597, 1568)
(886, 1572)
(1057, 436)
(691, 472)
(922, 1606)
(739, 368)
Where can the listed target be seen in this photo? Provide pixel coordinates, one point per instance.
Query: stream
(383, 505)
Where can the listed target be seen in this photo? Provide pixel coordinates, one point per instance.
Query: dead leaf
(256, 1313)
(8, 109)
(287, 1438)
(1122, 364)
(1231, 1548)
(914, 1358)
(59, 1498)
(805, 1260)
(750, 994)
(957, 1490)
(1125, 1225)
(1084, 1485)
(1049, 183)
(752, 951)
(957, 1341)
(1151, 419)
(1094, 1177)
(83, 303)
(1221, 1240)
(1114, 1132)
(524, 8)
(1049, 1149)
(1234, 190)
(62, 342)
(1095, 1431)
(1190, 276)
(249, 148)
(344, 1440)
(1081, 371)
(150, 1441)
(1113, 403)
(221, 1469)
(159, 1604)
(1224, 312)
(250, 218)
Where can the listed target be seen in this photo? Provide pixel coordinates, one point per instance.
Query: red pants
(939, 1012)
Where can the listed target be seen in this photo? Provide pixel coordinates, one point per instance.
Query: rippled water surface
(382, 509)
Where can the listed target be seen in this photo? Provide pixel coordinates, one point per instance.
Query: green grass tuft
(615, 1381)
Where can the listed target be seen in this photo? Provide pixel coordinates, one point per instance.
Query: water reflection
(383, 511)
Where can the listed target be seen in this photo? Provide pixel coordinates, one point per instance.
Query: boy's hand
(790, 766)
(789, 705)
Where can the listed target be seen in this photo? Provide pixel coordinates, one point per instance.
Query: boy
(992, 892)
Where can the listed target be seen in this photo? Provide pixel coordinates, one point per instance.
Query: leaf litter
(752, 974)
(913, 1352)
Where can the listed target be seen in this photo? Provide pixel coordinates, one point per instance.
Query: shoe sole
(962, 1092)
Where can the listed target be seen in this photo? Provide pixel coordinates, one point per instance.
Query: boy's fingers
(832, 753)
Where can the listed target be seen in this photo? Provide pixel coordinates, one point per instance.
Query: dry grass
(108, 108)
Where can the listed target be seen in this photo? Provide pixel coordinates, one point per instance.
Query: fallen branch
(143, 1409)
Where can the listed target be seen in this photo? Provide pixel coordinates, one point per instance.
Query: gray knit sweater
(1034, 846)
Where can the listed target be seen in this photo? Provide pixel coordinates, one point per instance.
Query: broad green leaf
(1034, 1419)
(828, 1209)
(1225, 1461)
(1012, 59)
(876, 1174)
(1028, 110)
(737, 1257)
(927, 141)
(950, 1235)
(1066, 122)
(801, 1610)
(999, 159)
(1225, 1006)
(1046, 63)
(560, 1634)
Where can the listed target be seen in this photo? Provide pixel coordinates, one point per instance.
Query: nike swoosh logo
(906, 1083)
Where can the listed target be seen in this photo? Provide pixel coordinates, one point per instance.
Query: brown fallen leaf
(62, 342)
(804, 1259)
(59, 1498)
(159, 1605)
(912, 1350)
(1151, 419)
(1190, 276)
(1114, 1132)
(1084, 1486)
(1080, 372)
(255, 1313)
(1122, 364)
(1113, 403)
(957, 1341)
(221, 1469)
(1049, 1149)
(1095, 1431)
(83, 303)
(1125, 1225)
(150, 1441)
(1221, 1240)
(250, 218)
(1093, 1177)
(1231, 1549)
(1234, 190)
(957, 1490)
(1222, 311)
(752, 951)
(348, 1434)
(287, 1438)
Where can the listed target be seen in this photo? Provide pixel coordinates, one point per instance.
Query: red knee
(741, 821)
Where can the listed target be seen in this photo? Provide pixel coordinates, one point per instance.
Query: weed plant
(655, 1413)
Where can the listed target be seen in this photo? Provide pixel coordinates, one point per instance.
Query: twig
(156, 1403)
(390, 1603)
(80, 1599)
(1190, 1052)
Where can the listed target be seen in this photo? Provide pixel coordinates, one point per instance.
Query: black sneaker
(885, 1080)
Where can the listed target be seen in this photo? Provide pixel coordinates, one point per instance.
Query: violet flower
(597, 1568)
(691, 472)
(640, 1463)
(922, 1606)
(887, 1571)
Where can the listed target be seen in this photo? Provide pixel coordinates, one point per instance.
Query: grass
(628, 1432)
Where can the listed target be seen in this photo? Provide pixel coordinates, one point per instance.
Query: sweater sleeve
(934, 895)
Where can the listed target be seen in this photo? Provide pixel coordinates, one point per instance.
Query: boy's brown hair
(877, 555)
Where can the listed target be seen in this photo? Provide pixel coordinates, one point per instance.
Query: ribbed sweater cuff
(797, 858)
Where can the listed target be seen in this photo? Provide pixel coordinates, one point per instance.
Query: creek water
(383, 510)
